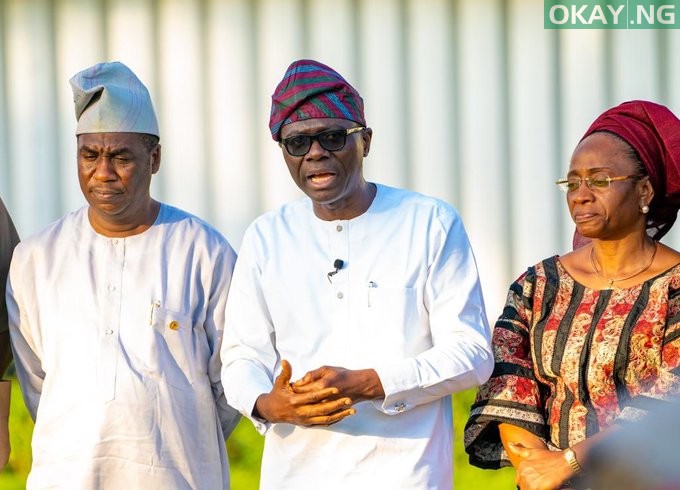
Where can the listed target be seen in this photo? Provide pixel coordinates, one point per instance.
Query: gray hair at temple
(109, 98)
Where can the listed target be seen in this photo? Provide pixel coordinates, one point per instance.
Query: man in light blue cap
(116, 315)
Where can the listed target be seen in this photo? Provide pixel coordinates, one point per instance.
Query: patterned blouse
(571, 361)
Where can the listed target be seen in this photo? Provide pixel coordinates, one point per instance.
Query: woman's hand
(511, 434)
(536, 466)
(540, 468)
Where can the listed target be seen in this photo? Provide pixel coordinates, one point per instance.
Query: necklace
(620, 279)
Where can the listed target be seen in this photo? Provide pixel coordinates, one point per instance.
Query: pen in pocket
(371, 285)
(154, 305)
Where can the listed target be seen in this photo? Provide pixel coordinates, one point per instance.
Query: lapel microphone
(338, 264)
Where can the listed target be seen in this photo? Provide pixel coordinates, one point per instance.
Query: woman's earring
(644, 209)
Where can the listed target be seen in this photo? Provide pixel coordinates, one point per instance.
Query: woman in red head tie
(590, 340)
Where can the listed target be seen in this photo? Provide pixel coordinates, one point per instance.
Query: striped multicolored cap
(309, 90)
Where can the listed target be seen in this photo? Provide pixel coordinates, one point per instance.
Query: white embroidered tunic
(116, 343)
(406, 302)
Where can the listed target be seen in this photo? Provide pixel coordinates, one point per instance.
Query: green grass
(245, 450)
(465, 476)
(13, 477)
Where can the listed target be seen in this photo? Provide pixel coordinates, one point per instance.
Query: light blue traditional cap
(109, 98)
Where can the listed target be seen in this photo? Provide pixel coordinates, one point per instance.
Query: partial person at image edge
(116, 315)
(8, 240)
(354, 313)
(589, 341)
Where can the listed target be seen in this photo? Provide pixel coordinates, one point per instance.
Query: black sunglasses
(331, 140)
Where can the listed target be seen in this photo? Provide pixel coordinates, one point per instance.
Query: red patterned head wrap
(310, 89)
(654, 133)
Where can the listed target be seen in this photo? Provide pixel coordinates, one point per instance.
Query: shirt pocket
(394, 320)
(172, 347)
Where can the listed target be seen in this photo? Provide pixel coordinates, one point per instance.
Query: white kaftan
(116, 342)
(407, 302)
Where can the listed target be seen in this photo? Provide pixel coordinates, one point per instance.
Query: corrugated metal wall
(470, 100)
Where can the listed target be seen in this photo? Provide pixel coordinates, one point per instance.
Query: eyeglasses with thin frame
(330, 140)
(598, 183)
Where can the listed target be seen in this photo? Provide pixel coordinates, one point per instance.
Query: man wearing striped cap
(354, 312)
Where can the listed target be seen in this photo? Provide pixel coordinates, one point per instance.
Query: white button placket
(341, 295)
(339, 248)
(110, 319)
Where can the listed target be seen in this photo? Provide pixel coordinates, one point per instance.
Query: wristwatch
(570, 456)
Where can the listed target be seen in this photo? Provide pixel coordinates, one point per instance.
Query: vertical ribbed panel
(471, 101)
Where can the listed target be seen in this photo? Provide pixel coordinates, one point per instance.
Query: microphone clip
(338, 264)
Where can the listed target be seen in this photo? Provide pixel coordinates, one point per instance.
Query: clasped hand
(321, 397)
(540, 468)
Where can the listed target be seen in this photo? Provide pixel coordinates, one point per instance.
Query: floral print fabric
(571, 361)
